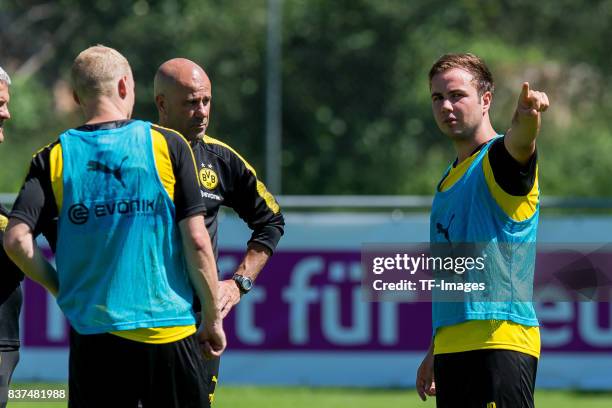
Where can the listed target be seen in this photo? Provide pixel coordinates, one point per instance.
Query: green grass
(299, 397)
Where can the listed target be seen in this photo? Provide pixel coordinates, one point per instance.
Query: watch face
(246, 284)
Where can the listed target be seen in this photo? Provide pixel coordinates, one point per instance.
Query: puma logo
(93, 165)
(444, 231)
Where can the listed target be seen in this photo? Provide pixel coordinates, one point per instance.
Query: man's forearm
(21, 247)
(520, 140)
(201, 264)
(254, 260)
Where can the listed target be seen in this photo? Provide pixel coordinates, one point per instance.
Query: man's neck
(103, 110)
(465, 147)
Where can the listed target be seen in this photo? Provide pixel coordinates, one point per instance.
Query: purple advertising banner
(312, 300)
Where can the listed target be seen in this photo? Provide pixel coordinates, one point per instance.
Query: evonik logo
(79, 213)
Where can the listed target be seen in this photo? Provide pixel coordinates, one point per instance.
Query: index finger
(525, 91)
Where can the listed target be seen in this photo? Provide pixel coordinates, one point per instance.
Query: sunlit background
(329, 101)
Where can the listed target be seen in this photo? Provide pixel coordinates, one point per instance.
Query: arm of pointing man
(425, 383)
(520, 140)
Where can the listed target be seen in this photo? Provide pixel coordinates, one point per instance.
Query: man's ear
(76, 98)
(160, 102)
(487, 98)
(122, 87)
(162, 108)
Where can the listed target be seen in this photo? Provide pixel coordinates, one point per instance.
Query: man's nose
(447, 106)
(202, 110)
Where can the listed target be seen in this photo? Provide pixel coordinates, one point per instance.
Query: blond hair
(96, 70)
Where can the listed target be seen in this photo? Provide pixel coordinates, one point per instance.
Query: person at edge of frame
(11, 276)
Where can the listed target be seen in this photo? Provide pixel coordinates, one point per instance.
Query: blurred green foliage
(356, 107)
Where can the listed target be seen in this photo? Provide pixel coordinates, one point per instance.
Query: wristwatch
(244, 284)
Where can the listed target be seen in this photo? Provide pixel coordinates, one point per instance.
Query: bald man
(183, 95)
(131, 248)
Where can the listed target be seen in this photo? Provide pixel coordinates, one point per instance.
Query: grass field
(272, 397)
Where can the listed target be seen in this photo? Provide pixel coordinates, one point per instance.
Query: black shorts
(109, 371)
(211, 366)
(212, 377)
(485, 379)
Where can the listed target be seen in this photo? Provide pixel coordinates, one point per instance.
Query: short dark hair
(483, 79)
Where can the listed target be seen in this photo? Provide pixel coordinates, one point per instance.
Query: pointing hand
(531, 103)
